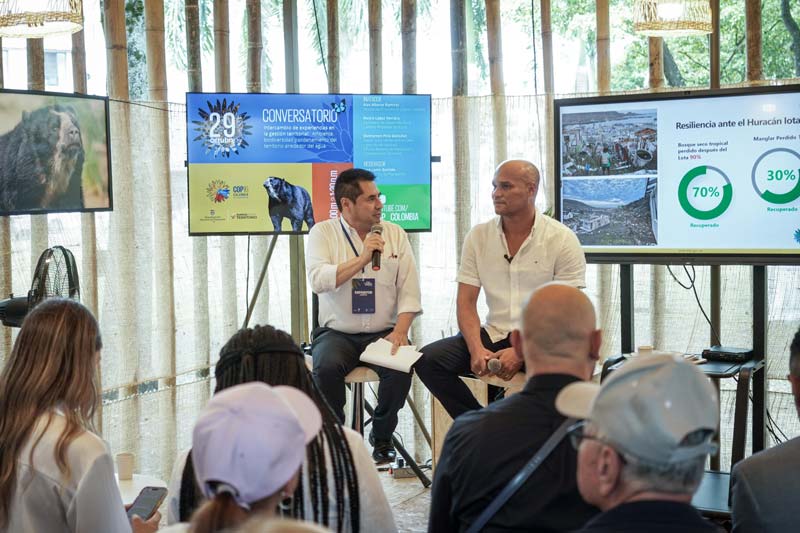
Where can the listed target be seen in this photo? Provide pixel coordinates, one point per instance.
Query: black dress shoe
(383, 451)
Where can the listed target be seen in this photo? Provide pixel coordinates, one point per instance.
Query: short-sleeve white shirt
(551, 252)
(396, 283)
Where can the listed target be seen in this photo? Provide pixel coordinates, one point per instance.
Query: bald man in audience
(485, 448)
(766, 487)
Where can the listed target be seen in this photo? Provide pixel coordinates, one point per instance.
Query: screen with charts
(267, 163)
(710, 176)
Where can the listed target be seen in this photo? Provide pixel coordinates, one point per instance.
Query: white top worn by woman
(87, 501)
(375, 513)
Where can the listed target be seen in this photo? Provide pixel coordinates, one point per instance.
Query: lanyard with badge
(363, 288)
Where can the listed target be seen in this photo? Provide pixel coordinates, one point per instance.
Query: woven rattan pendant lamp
(671, 18)
(40, 18)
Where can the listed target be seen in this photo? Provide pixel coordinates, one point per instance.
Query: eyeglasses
(577, 433)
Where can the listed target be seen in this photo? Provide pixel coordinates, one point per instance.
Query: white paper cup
(125, 465)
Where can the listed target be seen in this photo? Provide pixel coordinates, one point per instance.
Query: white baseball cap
(646, 408)
(251, 439)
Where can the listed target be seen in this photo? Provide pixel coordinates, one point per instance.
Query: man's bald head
(519, 168)
(559, 329)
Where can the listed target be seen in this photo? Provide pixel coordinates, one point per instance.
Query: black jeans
(335, 354)
(442, 363)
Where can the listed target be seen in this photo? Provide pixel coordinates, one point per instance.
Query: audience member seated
(339, 487)
(766, 487)
(247, 447)
(507, 257)
(55, 474)
(485, 449)
(643, 444)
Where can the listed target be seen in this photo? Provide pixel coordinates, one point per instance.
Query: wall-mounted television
(267, 163)
(54, 153)
(705, 177)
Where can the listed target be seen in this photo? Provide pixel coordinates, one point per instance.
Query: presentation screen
(707, 177)
(54, 153)
(267, 163)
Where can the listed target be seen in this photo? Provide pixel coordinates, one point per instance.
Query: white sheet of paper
(380, 353)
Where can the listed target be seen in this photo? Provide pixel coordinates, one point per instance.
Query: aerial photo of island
(611, 211)
(603, 143)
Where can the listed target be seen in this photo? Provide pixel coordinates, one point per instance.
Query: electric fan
(56, 276)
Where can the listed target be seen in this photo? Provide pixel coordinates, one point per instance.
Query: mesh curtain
(153, 392)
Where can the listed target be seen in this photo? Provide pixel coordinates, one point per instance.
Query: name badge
(363, 296)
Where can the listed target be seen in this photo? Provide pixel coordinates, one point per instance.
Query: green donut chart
(772, 197)
(683, 193)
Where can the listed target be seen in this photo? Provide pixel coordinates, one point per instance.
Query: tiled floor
(410, 502)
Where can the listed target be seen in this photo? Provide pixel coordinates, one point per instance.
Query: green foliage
(175, 27)
(137, 60)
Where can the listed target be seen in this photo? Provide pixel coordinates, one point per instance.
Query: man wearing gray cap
(765, 488)
(643, 444)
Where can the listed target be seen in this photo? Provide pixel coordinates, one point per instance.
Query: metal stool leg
(358, 407)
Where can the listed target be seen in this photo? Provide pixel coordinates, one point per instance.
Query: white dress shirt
(397, 282)
(551, 252)
(44, 501)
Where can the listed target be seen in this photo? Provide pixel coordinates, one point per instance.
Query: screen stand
(257, 290)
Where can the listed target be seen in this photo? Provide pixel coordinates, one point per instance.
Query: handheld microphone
(494, 365)
(376, 255)
(508, 258)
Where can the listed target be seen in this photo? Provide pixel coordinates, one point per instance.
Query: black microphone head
(376, 228)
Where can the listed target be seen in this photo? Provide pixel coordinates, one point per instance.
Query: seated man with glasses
(643, 444)
(486, 448)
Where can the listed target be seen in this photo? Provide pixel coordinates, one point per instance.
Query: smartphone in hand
(147, 502)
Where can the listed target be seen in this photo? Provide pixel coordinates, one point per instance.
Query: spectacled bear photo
(41, 162)
(288, 201)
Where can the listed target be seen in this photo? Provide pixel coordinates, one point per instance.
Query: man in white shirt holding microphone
(364, 273)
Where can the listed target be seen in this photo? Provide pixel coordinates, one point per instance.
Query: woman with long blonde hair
(55, 474)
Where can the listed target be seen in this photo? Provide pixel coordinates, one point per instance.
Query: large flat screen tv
(54, 153)
(267, 163)
(705, 177)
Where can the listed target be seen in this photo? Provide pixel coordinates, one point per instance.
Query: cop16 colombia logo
(222, 129)
(218, 191)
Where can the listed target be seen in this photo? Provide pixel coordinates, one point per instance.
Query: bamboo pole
(494, 32)
(227, 244)
(163, 260)
(655, 46)
(548, 168)
(88, 226)
(122, 259)
(463, 189)
(39, 236)
(194, 72)
(408, 35)
(254, 46)
(376, 46)
(603, 47)
(333, 46)
(755, 70)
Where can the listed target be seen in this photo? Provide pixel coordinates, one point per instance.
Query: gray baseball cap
(646, 408)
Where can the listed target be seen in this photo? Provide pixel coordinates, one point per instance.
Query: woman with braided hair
(339, 487)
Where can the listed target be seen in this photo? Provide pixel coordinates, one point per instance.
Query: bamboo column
(122, 263)
(39, 237)
(227, 244)
(5, 257)
(494, 32)
(163, 260)
(755, 71)
(655, 46)
(333, 46)
(88, 227)
(547, 169)
(463, 178)
(253, 84)
(603, 47)
(376, 45)
(194, 72)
